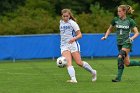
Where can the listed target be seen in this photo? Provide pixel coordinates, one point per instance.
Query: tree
(10, 5)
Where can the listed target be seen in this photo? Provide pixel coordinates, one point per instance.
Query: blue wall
(47, 46)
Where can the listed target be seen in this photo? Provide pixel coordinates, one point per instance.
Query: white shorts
(70, 47)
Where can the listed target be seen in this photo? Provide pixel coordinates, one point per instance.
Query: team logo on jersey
(122, 26)
(65, 27)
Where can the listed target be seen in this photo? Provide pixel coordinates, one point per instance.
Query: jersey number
(120, 31)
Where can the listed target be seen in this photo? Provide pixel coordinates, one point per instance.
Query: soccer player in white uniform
(70, 48)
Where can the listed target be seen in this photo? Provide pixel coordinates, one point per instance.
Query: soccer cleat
(94, 76)
(116, 80)
(72, 81)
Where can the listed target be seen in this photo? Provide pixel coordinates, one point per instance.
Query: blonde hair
(70, 13)
(127, 8)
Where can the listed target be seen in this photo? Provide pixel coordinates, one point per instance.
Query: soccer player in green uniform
(123, 25)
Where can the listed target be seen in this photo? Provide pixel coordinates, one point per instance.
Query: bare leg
(70, 68)
(85, 65)
(127, 61)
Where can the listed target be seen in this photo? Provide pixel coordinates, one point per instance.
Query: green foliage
(95, 22)
(78, 6)
(9, 5)
(31, 19)
(42, 16)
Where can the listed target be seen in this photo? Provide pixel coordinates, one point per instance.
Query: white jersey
(67, 31)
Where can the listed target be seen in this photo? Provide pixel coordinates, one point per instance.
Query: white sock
(71, 72)
(88, 67)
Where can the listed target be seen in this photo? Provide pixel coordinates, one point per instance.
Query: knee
(127, 64)
(122, 54)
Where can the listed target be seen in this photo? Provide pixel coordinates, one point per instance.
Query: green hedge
(39, 19)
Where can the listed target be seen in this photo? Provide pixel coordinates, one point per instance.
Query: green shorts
(125, 45)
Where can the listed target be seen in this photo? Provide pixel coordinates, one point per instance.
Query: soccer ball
(61, 62)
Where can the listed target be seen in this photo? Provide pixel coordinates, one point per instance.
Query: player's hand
(72, 40)
(103, 38)
(131, 39)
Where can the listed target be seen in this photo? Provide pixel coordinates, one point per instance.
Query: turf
(43, 76)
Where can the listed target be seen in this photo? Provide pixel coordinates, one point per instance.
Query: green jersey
(123, 28)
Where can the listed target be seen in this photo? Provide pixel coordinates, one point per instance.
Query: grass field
(43, 76)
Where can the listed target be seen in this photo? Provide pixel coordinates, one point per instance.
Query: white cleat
(94, 76)
(72, 81)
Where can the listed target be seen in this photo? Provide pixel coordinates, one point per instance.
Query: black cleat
(116, 80)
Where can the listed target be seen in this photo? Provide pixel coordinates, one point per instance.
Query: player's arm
(136, 33)
(109, 30)
(78, 35)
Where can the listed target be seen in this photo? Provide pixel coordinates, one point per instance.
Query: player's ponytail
(127, 8)
(70, 13)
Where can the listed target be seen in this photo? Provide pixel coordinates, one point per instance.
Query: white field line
(87, 75)
(12, 73)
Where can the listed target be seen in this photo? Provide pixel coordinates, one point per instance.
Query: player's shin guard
(71, 72)
(122, 55)
(88, 67)
(134, 63)
(120, 69)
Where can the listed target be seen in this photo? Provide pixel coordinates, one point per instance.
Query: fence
(47, 46)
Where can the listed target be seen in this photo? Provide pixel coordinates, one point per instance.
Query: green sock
(119, 75)
(120, 69)
(134, 63)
